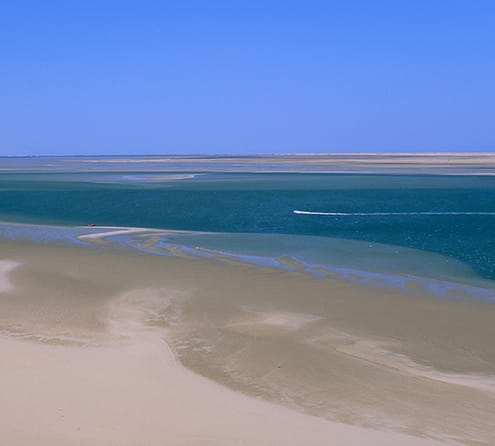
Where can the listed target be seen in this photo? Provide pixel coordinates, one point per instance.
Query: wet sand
(94, 343)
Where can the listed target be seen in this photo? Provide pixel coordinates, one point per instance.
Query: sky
(174, 77)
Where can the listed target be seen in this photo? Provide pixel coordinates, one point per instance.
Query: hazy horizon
(256, 154)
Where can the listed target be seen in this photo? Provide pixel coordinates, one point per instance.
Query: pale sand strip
(110, 231)
(378, 354)
(137, 394)
(6, 266)
(433, 158)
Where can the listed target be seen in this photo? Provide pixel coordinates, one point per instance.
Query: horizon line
(271, 154)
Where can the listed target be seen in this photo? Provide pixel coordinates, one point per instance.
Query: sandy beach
(137, 394)
(103, 347)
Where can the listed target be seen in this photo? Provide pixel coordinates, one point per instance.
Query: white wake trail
(390, 213)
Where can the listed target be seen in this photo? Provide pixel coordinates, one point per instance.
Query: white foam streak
(338, 214)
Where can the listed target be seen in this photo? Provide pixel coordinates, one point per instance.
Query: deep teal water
(413, 211)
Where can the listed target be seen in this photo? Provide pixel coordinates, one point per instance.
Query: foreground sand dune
(137, 394)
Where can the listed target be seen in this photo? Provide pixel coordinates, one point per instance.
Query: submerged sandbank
(341, 351)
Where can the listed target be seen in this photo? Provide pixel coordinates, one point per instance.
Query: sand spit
(110, 231)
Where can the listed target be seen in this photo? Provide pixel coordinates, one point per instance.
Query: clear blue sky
(108, 77)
